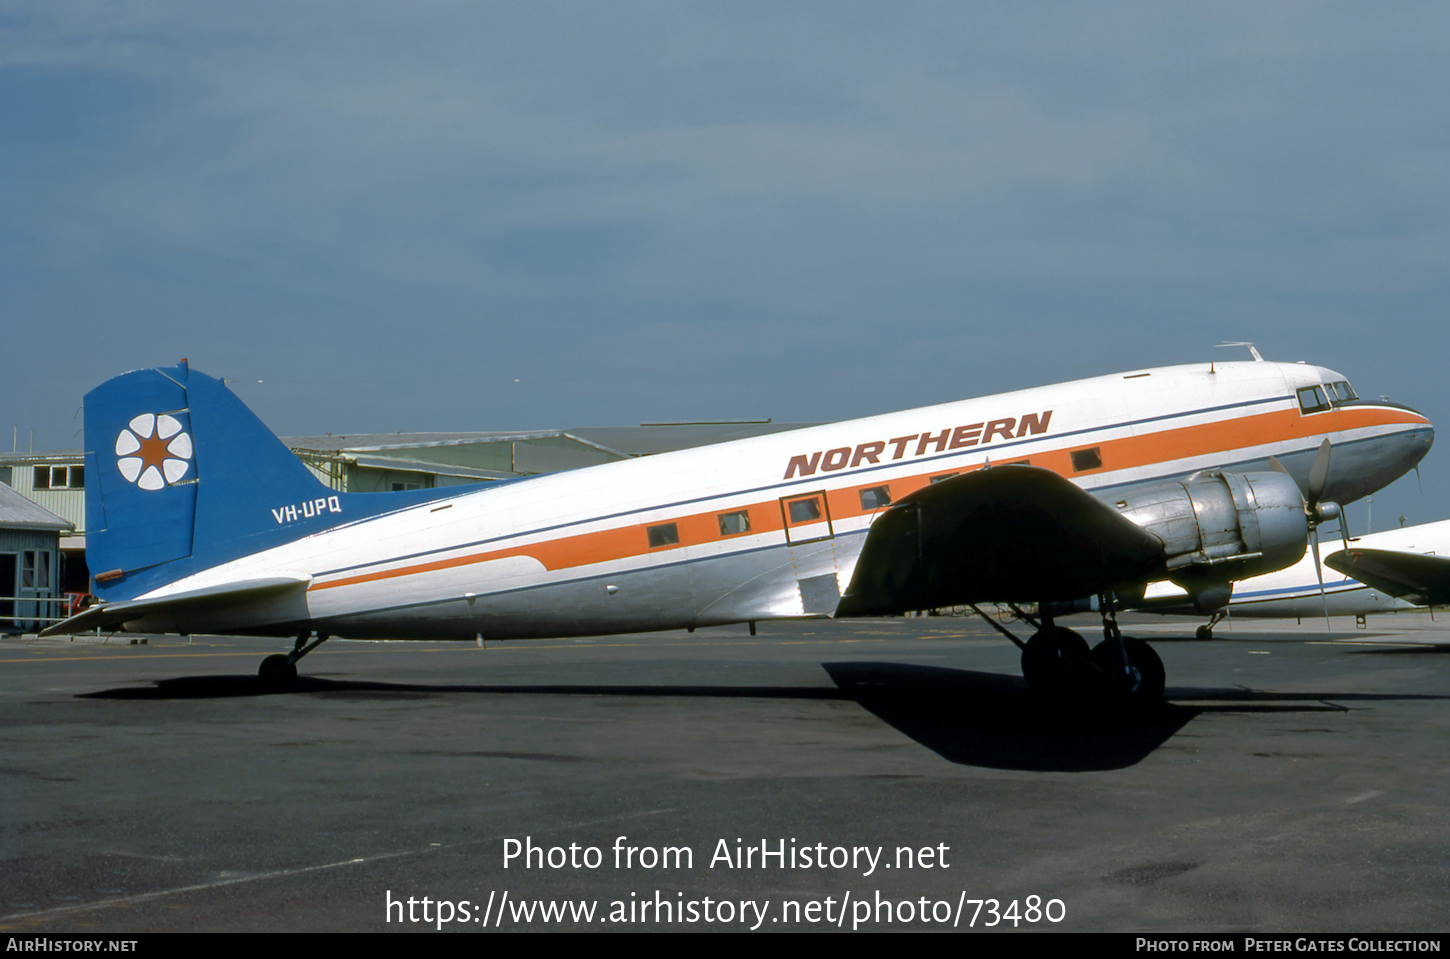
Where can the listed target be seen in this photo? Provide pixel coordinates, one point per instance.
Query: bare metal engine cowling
(1219, 527)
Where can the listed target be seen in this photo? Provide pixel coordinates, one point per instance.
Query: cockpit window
(1311, 400)
(1341, 392)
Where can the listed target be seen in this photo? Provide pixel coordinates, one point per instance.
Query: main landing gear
(1057, 662)
(279, 672)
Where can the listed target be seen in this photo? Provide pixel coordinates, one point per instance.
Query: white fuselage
(658, 542)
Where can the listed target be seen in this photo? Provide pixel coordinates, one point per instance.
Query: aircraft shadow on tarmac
(997, 721)
(972, 718)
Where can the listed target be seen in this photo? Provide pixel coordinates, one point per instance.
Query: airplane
(200, 520)
(1391, 571)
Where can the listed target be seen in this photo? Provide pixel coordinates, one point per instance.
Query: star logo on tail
(153, 451)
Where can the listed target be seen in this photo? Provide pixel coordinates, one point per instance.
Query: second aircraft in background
(1393, 571)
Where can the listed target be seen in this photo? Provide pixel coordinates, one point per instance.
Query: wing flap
(1007, 534)
(1414, 577)
(111, 615)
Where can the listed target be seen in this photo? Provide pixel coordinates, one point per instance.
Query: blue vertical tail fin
(182, 476)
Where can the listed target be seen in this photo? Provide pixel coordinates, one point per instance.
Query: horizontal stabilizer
(112, 615)
(1413, 577)
(1007, 534)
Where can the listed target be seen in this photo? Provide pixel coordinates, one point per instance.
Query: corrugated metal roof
(377, 442)
(627, 440)
(423, 466)
(17, 512)
(49, 456)
(666, 438)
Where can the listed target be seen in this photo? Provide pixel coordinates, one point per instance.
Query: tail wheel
(1140, 685)
(1052, 660)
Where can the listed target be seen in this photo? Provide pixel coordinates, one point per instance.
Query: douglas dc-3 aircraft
(199, 520)
(1391, 571)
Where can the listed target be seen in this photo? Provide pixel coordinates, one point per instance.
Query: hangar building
(30, 562)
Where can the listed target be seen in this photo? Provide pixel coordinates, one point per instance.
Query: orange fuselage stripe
(624, 542)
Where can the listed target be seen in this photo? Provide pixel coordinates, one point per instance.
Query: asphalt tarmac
(1295, 781)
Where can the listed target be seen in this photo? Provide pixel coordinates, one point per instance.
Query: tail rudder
(141, 478)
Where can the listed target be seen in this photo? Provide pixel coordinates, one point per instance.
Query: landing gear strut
(1057, 661)
(1206, 630)
(1133, 671)
(279, 671)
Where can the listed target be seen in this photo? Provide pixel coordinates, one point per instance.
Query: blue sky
(458, 216)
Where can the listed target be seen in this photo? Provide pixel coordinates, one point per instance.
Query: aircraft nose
(1423, 434)
(1411, 446)
(1365, 466)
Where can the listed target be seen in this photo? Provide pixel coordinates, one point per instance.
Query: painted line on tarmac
(287, 873)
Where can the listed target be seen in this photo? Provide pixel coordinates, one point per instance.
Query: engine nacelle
(1219, 527)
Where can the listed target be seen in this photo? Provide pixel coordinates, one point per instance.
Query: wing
(1414, 577)
(1007, 534)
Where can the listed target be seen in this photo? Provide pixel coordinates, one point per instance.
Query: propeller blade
(1276, 466)
(1319, 571)
(1318, 474)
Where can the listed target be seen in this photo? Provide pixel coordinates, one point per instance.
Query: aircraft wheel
(1204, 632)
(1050, 661)
(1141, 687)
(277, 672)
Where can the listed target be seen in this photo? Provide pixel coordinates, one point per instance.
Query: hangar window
(667, 534)
(1088, 459)
(1311, 400)
(59, 477)
(875, 497)
(733, 523)
(944, 476)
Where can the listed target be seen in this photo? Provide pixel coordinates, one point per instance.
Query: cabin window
(1311, 400)
(807, 518)
(732, 524)
(875, 497)
(667, 534)
(944, 476)
(805, 510)
(1088, 459)
(1341, 392)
